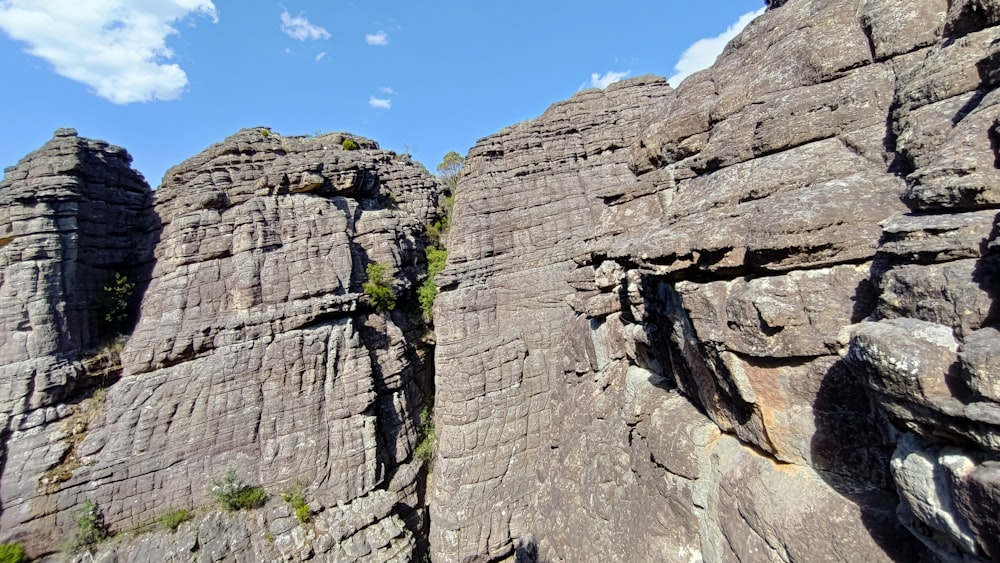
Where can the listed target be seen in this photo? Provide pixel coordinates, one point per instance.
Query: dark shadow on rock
(525, 551)
(994, 135)
(689, 361)
(973, 17)
(986, 273)
(852, 444)
(851, 452)
(109, 247)
(415, 383)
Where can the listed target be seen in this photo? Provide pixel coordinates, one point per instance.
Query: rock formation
(253, 351)
(752, 318)
(748, 319)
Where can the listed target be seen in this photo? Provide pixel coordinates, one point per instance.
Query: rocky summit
(750, 318)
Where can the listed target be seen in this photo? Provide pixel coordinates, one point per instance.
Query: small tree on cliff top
(449, 169)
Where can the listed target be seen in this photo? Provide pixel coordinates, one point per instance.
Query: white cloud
(319, 57)
(703, 52)
(602, 82)
(379, 103)
(117, 47)
(381, 38)
(300, 28)
(387, 90)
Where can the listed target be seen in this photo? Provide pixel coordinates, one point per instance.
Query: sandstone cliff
(253, 348)
(752, 318)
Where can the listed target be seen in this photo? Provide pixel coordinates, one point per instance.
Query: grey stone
(253, 348)
(978, 355)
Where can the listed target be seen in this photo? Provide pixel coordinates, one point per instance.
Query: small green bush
(297, 499)
(425, 449)
(303, 513)
(427, 292)
(378, 288)
(171, 520)
(90, 527)
(233, 494)
(117, 296)
(349, 145)
(13, 553)
(265, 133)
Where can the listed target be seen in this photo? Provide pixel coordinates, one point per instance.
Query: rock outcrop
(73, 215)
(254, 351)
(752, 318)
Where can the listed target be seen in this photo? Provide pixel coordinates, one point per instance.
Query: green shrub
(428, 291)
(447, 206)
(378, 288)
(13, 553)
(297, 499)
(117, 297)
(265, 133)
(171, 520)
(90, 527)
(303, 513)
(434, 233)
(349, 145)
(428, 443)
(436, 258)
(426, 294)
(233, 494)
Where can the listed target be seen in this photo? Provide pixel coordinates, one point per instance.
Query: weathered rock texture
(254, 349)
(752, 318)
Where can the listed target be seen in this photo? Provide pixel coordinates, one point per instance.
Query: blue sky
(167, 78)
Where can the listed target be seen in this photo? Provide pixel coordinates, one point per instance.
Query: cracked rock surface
(757, 325)
(253, 349)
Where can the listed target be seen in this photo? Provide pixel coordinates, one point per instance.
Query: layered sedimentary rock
(751, 318)
(73, 215)
(254, 351)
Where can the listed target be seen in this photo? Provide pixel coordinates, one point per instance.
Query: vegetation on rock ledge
(117, 298)
(233, 494)
(296, 498)
(378, 288)
(428, 291)
(13, 553)
(428, 442)
(90, 527)
(171, 520)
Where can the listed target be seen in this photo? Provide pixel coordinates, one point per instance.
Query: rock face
(752, 318)
(73, 215)
(254, 351)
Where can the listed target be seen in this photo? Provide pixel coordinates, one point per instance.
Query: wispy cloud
(298, 27)
(387, 90)
(379, 103)
(602, 81)
(116, 47)
(703, 52)
(381, 38)
(319, 56)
